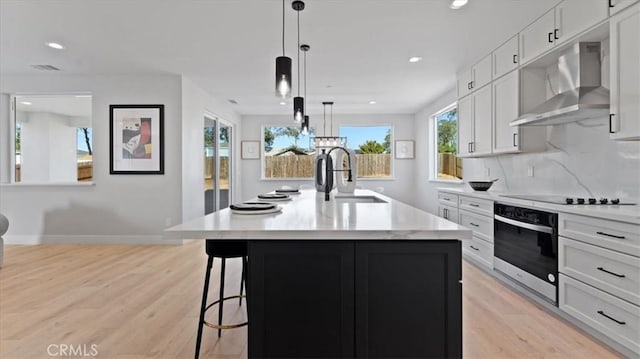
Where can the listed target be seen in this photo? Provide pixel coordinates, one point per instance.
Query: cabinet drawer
(482, 226)
(481, 206)
(448, 212)
(479, 250)
(614, 317)
(618, 236)
(448, 199)
(612, 272)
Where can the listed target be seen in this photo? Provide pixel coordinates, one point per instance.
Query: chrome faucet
(329, 171)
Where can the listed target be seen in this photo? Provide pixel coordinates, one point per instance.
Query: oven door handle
(533, 227)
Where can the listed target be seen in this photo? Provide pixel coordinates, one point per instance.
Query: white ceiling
(359, 48)
(67, 105)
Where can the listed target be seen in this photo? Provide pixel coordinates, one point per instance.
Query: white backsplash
(580, 161)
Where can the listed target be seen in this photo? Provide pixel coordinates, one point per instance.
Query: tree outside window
(448, 165)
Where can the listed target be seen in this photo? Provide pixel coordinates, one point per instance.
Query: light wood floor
(143, 302)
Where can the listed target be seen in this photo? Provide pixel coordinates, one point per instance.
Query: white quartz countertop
(308, 216)
(622, 213)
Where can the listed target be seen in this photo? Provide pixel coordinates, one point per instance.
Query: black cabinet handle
(446, 198)
(469, 147)
(473, 224)
(474, 205)
(610, 235)
(469, 85)
(611, 122)
(474, 248)
(550, 37)
(514, 140)
(608, 317)
(555, 34)
(610, 4)
(515, 59)
(615, 274)
(444, 212)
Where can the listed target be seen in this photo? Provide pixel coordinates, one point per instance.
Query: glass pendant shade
(283, 76)
(298, 108)
(305, 125)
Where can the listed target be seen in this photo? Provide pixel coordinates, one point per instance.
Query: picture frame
(250, 150)
(136, 139)
(404, 149)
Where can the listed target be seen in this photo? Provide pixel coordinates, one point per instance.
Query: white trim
(90, 239)
(48, 184)
(447, 181)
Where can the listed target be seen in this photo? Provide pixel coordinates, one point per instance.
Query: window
(53, 138)
(372, 145)
(287, 153)
(448, 166)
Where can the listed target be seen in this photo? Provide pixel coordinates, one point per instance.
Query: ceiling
(66, 105)
(359, 48)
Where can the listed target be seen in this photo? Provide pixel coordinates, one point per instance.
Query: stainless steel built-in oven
(526, 247)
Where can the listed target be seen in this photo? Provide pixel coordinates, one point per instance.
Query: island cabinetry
(599, 267)
(355, 298)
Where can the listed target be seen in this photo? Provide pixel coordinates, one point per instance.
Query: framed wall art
(250, 150)
(404, 149)
(136, 139)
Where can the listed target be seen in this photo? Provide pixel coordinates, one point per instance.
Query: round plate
(265, 211)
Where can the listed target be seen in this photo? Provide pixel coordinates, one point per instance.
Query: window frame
(12, 142)
(392, 176)
(263, 156)
(433, 124)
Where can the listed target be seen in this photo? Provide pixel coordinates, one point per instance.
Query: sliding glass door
(217, 164)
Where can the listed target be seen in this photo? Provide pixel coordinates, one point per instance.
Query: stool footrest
(224, 326)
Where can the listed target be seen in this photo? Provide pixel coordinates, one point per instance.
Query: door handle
(611, 4)
(515, 59)
(469, 85)
(444, 213)
(514, 140)
(469, 147)
(474, 248)
(611, 123)
(473, 224)
(474, 205)
(550, 37)
(472, 84)
(555, 34)
(612, 273)
(608, 317)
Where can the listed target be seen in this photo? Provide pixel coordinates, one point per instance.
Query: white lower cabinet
(480, 250)
(448, 212)
(614, 317)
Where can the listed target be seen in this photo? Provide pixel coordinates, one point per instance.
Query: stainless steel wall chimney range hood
(580, 96)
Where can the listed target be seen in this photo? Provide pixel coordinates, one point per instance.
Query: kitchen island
(361, 275)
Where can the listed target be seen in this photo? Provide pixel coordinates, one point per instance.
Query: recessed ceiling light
(415, 59)
(372, 102)
(55, 45)
(26, 103)
(283, 103)
(456, 4)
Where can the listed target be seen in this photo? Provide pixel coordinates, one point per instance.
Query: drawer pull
(446, 199)
(474, 248)
(474, 205)
(615, 274)
(608, 317)
(473, 224)
(610, 235)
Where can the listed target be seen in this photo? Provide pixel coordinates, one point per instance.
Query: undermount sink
(359, 199)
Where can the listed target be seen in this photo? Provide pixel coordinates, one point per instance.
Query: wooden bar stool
(222, 249)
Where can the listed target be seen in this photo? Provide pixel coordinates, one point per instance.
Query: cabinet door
(482, 116)
(537, 37)
(481, 73)
(625, 74)
(574, 16)
(464, 83)
(506, 102)
(448, 212)
(408, 299)
(615, 6)
(505, 58)
(301, 301)
(465, 126)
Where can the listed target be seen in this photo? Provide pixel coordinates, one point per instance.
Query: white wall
(48, 152)
(400, 187)
(119, 208)
(195, 103)
(426, 196)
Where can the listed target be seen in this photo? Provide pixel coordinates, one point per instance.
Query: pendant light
(305, 122)
(283, 68)
(298, 102)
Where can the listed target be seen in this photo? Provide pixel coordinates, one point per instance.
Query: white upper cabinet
(505, 58)
(574, 16)
(615, 6)
(624, 32)
(474, 78)
(474, 124)
(537, 37)
(506, 100)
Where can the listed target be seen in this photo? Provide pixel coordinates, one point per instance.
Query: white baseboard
(90, 239)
